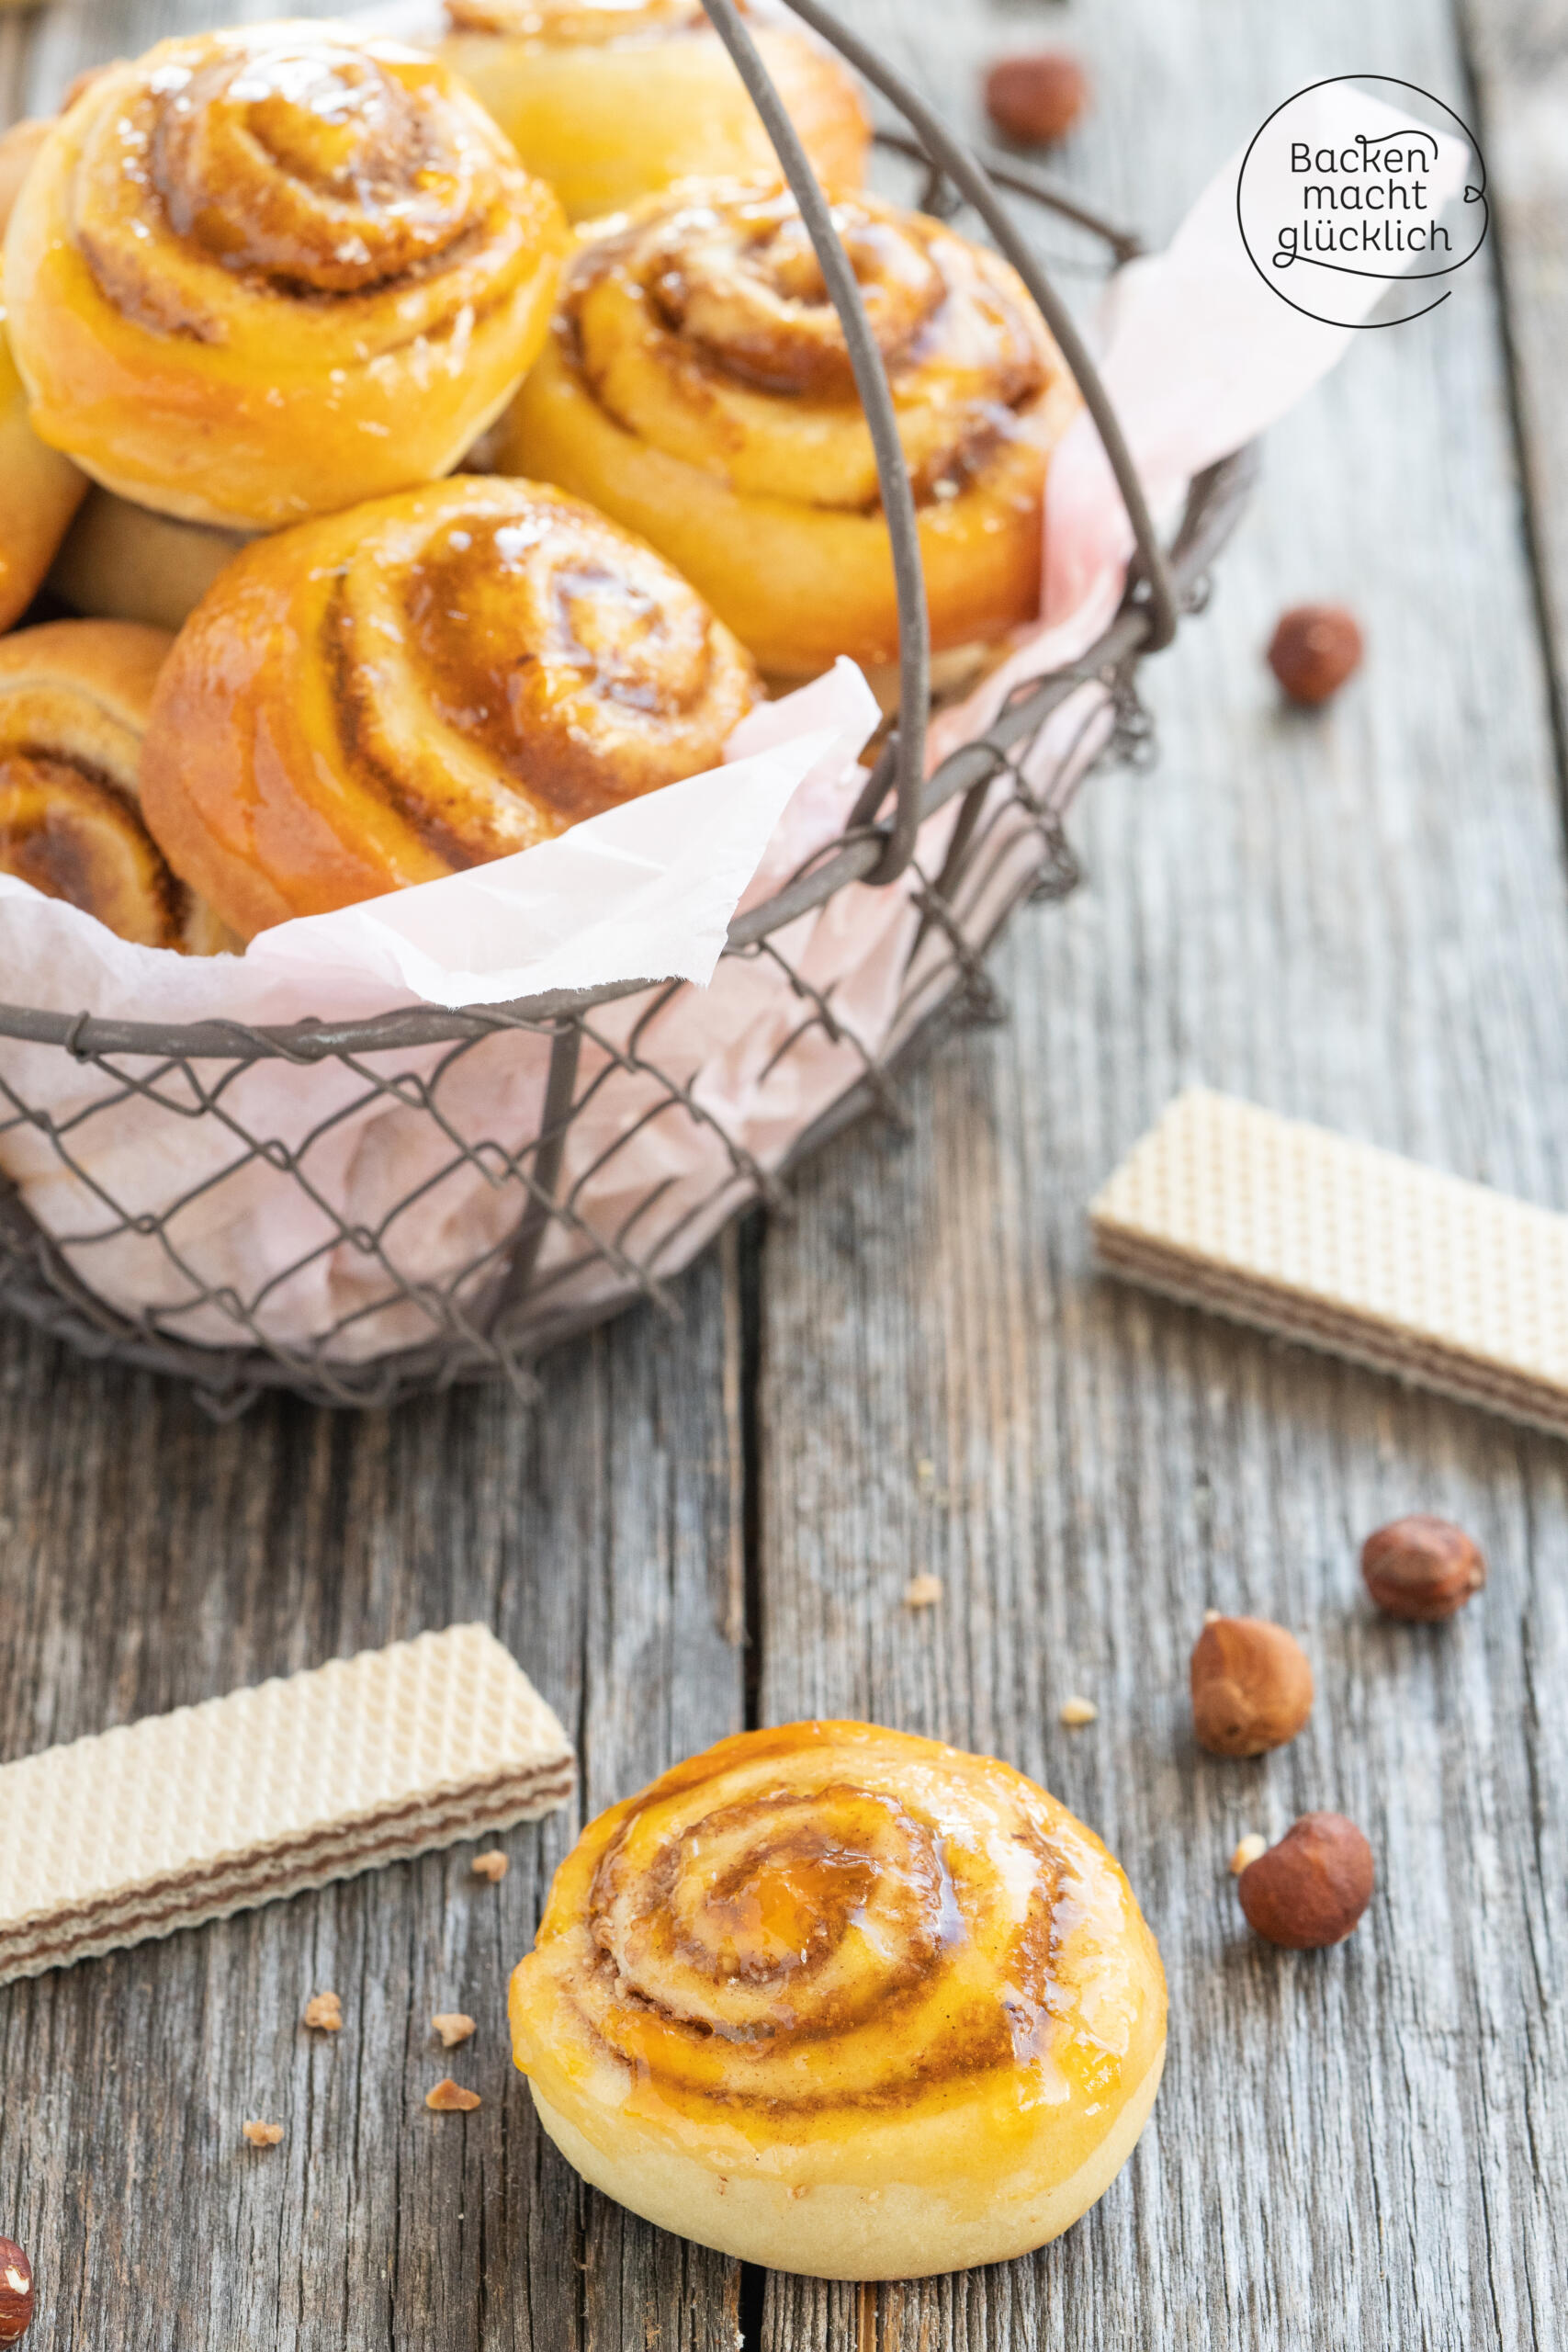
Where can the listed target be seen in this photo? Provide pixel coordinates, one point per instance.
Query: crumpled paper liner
(308, 1207)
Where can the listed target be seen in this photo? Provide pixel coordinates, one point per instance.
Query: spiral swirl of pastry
(698, 387)
(260, 274)
(384, 696)
(838, 1963)
(611, 99)
(73, 703)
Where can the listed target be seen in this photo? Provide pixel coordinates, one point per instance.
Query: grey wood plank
(147, 1559)
(1358, 918)
(1519, 50)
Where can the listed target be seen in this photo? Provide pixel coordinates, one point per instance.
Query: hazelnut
(1251, 1686)
(450, 2098)
(494, 1866)
(1310, 1889)
(16, 2292)
(1422, 1568)
(1315, 648)
(1036, 98)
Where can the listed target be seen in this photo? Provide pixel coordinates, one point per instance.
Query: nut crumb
(923, 1592)
(494, 1866)
(454, 2027)
(1247, 1853)
(1077, 1711)
(1212, 1616)
(925, 1468)
(323, 2013)
(263, 2135)
(450, 2098)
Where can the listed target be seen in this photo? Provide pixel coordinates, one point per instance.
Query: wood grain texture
(1519, 53)
(1358, 918)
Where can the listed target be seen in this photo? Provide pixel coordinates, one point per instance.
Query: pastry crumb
(1247, 1851)
(323, 2013)
(450, 2098)
(494, 1866)
(1076, 1712)
(453, 2027)
(925, 1469)
(923, 1592)
(1212, 1616)
(263, 2135)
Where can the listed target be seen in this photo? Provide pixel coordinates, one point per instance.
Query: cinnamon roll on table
(73, 703)
(420, 684)
(846, 2002)
(698, 387)
(260, 274)
(611, 99)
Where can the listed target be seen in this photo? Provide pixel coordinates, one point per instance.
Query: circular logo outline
(1343, 269)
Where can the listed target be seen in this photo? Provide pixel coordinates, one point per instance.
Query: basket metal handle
(904, 766)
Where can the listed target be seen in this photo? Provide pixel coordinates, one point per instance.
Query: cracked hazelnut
(1315, 648)
(1310, 1889)
(16, 2292)
(1422, 1568)
(1251, 1686)
(1036, 98)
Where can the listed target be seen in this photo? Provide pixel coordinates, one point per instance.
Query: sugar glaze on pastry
(698, 387)
(262, 274)
(842, 2001)
(611, 99)
(422, 685)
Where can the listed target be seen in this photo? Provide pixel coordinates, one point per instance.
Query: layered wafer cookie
(1445, 1284)
(213, 1809)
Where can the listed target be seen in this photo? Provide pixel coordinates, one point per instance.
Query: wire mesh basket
(442, 1195)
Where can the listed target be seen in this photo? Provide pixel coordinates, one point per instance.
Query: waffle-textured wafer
(1444, 1283)
(213, 1809)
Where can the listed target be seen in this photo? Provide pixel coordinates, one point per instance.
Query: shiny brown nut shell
(1315, 648)
(1422, 1568)
(16, 2292)
(1036, 98)
(1310, 1890)
(1251, 1686)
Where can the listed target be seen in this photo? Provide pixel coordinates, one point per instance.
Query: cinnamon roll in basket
(698, 387)
(260, 274)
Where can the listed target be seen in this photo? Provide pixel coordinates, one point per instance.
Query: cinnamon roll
(845, 2002)
(385, 696)
(39, 493)
(611, 99)
(698, 388)
(260, 274)
(73, 703)
(127, 563)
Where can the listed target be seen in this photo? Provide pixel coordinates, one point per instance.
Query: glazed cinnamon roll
(845, 2002)
(260, 274)
(381, 697)
(610, 99)
(698, 388)
(73, 703)
(127, 563)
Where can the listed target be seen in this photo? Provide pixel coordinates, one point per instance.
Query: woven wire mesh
(366, 1211)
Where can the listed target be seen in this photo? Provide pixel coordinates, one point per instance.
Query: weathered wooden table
(1358, 918)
